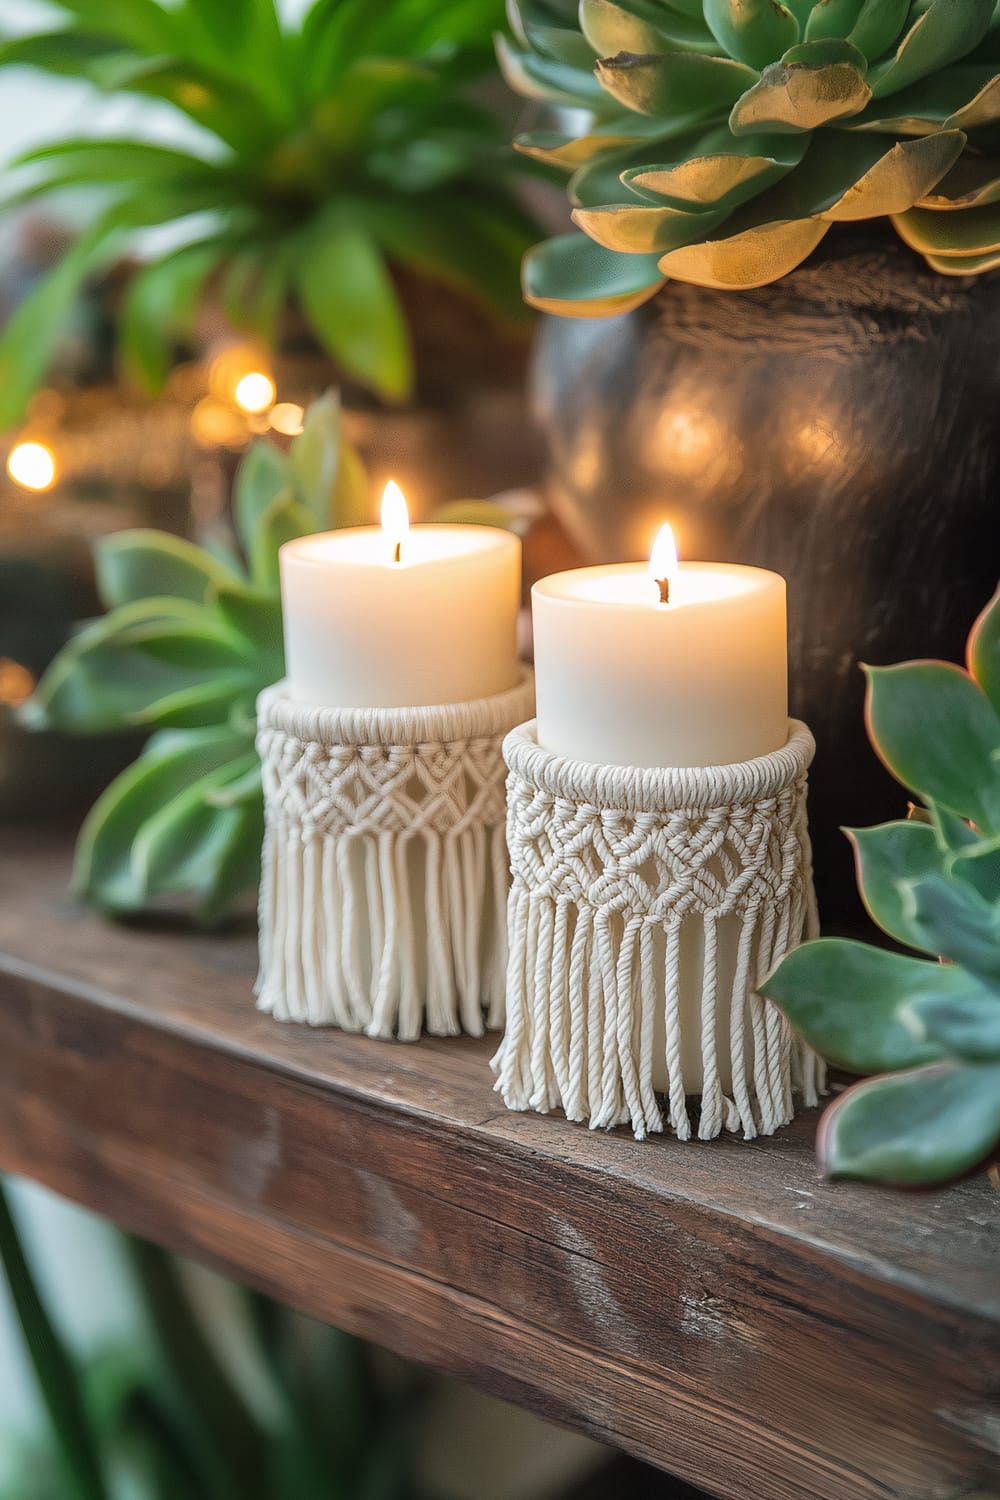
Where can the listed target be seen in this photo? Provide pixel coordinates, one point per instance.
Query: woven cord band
(646, 906)
(385, 867)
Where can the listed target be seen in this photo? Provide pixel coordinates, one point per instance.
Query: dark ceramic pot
(840, 427)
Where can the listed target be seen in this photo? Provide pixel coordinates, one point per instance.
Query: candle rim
(484, 538)
(550, 588)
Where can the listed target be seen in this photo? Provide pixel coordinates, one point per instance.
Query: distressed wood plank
(715, 1309)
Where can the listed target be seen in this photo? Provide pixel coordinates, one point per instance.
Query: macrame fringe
(385, 869)
(645, 907)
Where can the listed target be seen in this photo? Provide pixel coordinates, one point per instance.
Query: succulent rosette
(925, 1021)
(724, 138)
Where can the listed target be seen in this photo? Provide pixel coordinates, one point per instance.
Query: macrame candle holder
(385, 867)
(645, 906)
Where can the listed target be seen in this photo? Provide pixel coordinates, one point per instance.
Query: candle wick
(397, 555)
(663, 584)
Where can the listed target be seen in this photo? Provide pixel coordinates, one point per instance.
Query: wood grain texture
(713, 1308)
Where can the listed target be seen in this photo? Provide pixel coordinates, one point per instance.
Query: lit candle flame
(663, 562)
(395, 519)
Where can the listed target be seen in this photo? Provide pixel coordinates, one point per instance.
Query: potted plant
(336, 187)
(929, 1026)
(774, 323)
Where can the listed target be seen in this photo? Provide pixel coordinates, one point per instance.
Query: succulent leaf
(133, 566)
(831, 18)
(326, 473)
(283, 520)
(954, 98)
(540, 77)
(973, 181)
(863, 1031)
(681, 85)
(101, 681)
(955, 834)
(171, 762)
(814, 84)
(261, 477)
(749, 257)
(889, 857)
(186, 819)
(895, 180)
(569, 151)
(619, 226)
(956, 922)
(752, 31)
(578, 278)
(982, 109)
(963, 265)
(978, 864)
(967, 1028)
(947, 30)
(194, 707)
(878, 26)
(937, 733)
(984, 651)
(177, 848)
(724, 172)
(536, 27)
(925, 1125)
(972, 233)
(611, 28)
(236, 864)
(602, 181)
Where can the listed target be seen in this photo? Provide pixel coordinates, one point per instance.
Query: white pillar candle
(661, 664)
(394, 616)
(666, 664)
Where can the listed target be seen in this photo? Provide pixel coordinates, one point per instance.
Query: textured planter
(840, 427)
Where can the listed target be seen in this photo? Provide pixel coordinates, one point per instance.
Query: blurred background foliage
(158, 1380)
(191, 636)
(321, 152)
(238, 206)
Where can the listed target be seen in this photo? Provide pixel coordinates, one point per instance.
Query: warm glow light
(663, 562)
(395, 519)
(254, 392)
(16, 683)
(286, 418)
(214, 424)
(31, 465)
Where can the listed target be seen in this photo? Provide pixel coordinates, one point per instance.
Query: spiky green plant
(725, 137)
(323, 151)
(189, 640)
(163, 1420)
(932, 1028)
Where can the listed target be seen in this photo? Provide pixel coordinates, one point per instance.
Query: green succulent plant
(930, 1025)
(323, 152)
(725, 137)
(190, 638)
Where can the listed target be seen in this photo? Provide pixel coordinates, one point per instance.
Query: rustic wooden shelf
(715, 1309)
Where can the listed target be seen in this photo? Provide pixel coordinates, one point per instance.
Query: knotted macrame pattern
(645, 907)
(385, 867)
